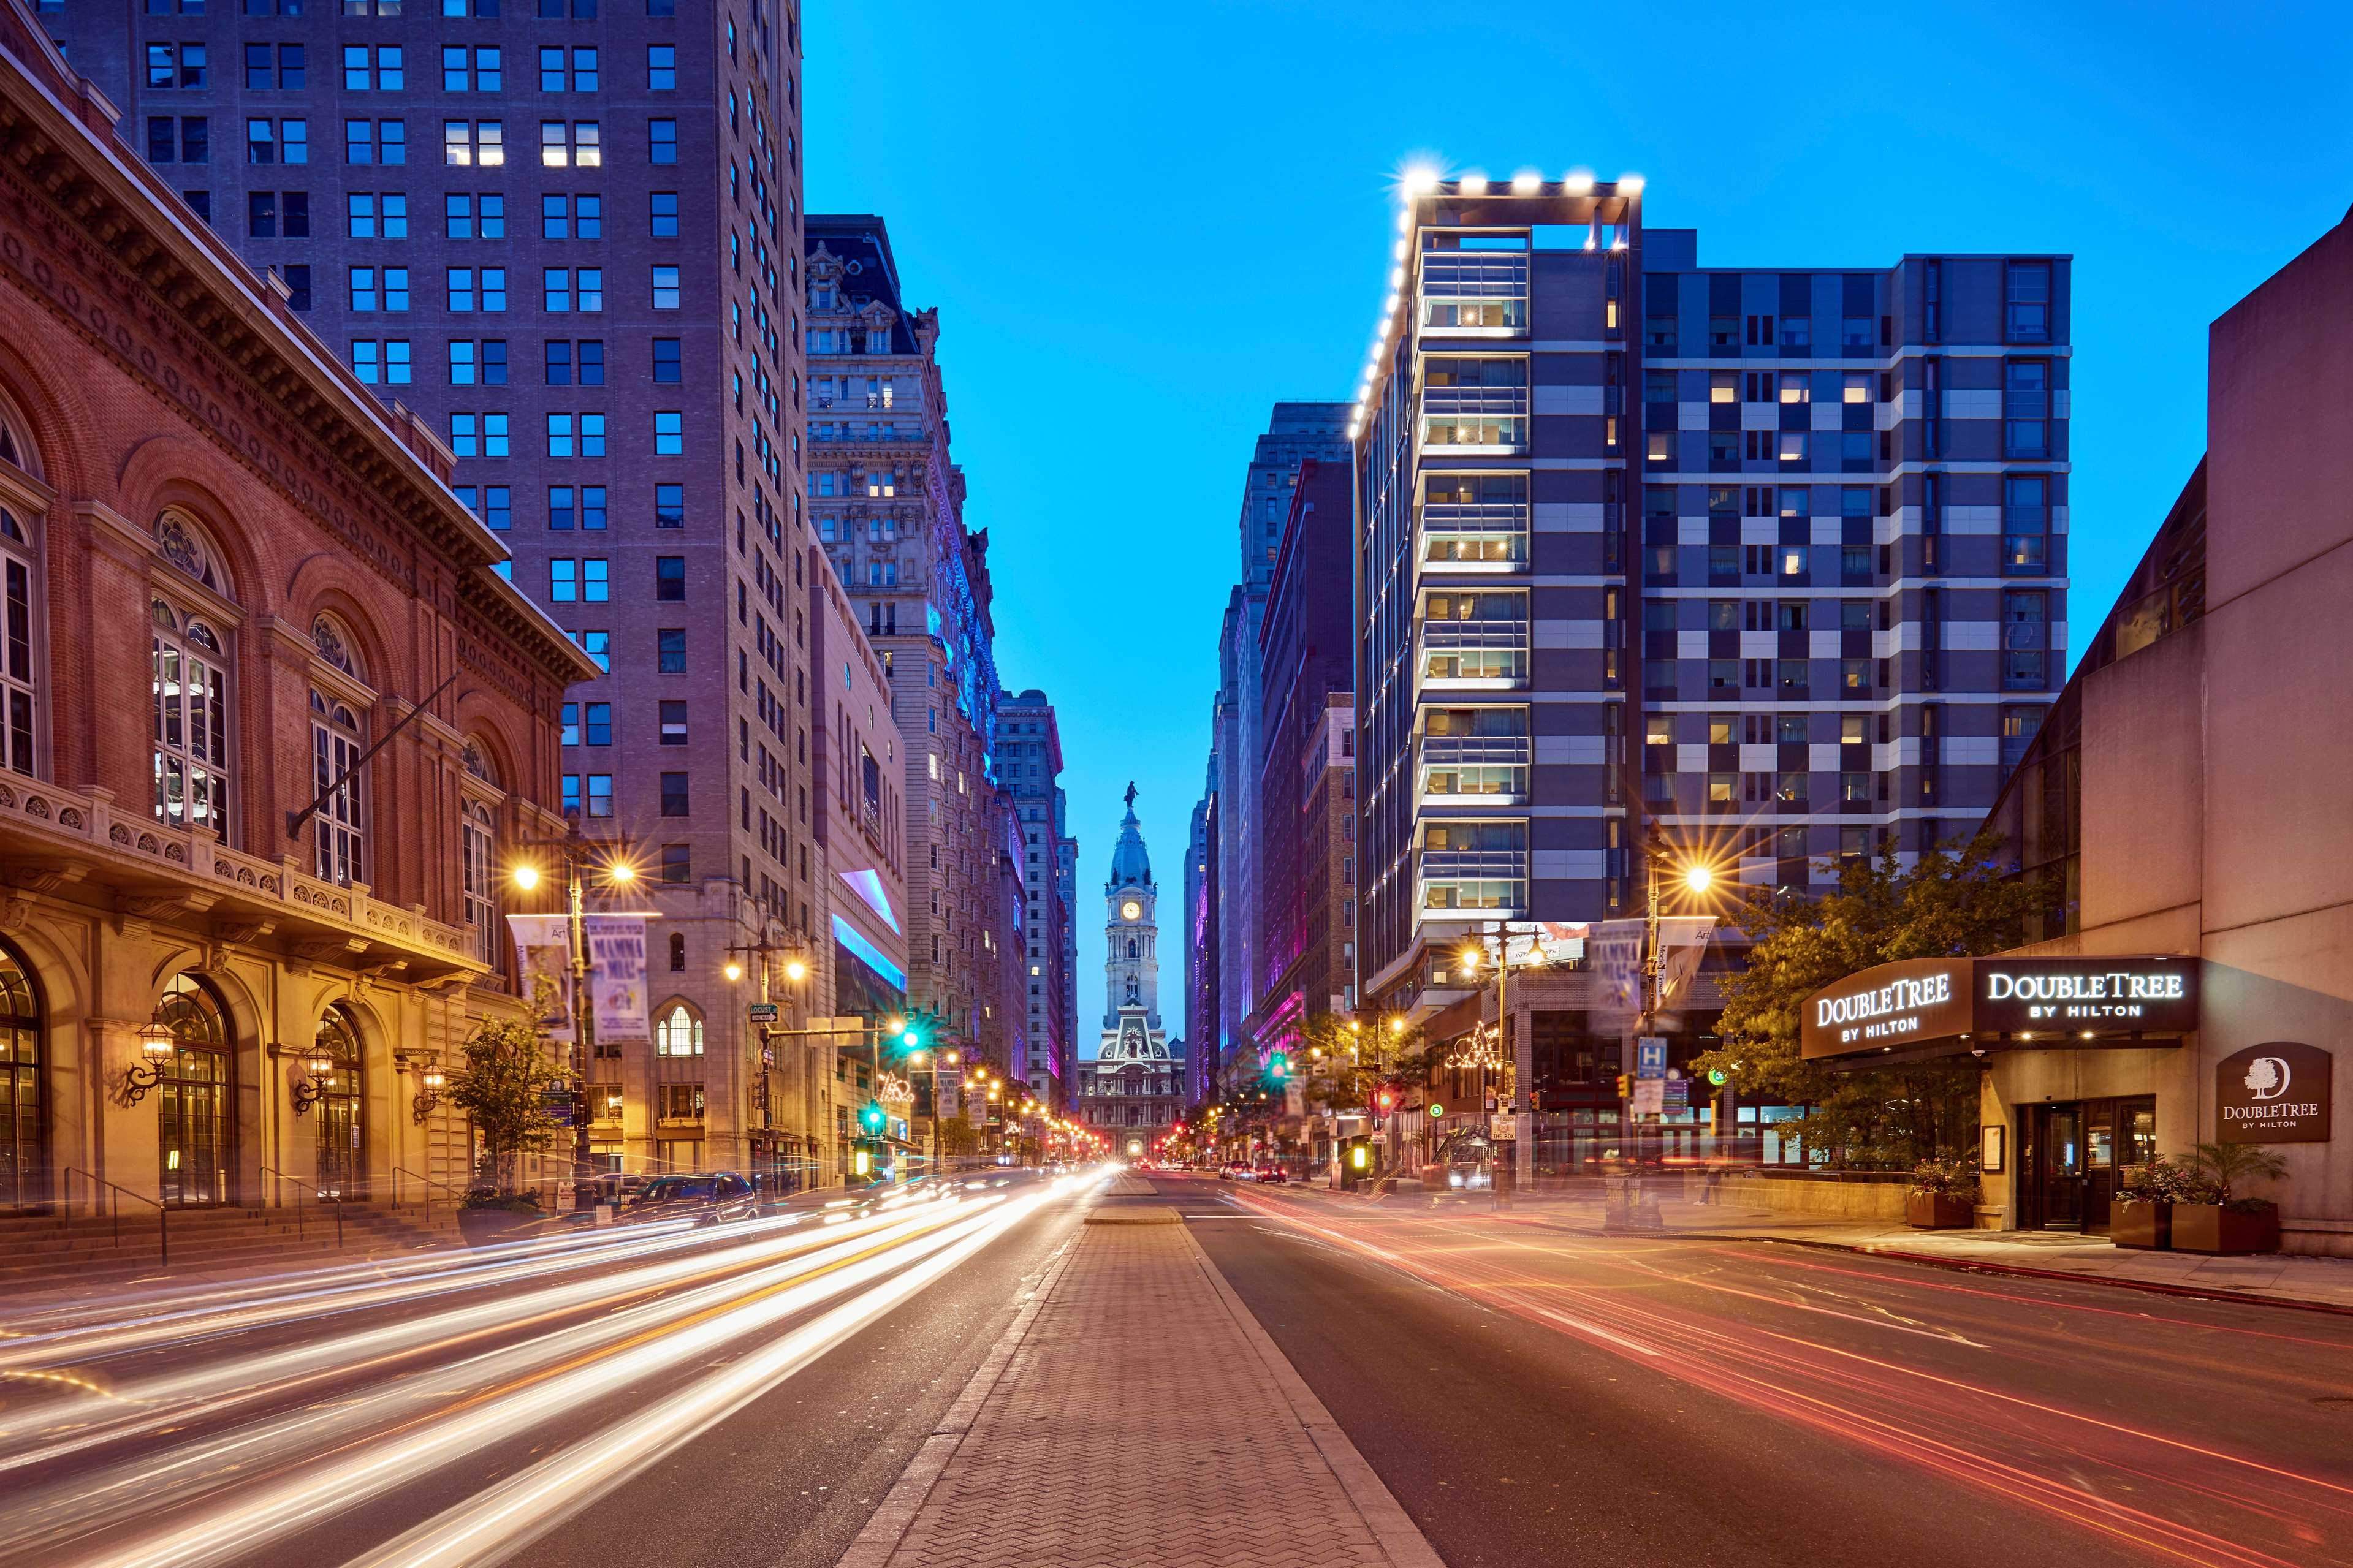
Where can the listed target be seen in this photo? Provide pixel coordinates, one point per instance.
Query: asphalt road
(1532, 1395)
(730, 1397)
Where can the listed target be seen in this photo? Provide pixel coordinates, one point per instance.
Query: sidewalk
(1078, 1444)
(2324, 1282)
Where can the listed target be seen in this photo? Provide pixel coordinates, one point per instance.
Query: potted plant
(2141, 1213)
(2213, 1219)
(1944, 1195)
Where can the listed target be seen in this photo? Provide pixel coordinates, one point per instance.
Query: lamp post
(577, 851)
(1697, 879)
(796, 970)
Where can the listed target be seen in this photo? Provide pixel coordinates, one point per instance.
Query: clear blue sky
(1143, 224)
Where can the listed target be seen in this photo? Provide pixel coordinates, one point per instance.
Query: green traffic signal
(871, 1117)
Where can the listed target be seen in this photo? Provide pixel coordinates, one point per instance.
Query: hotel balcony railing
(1475, 751)
(1486, 865)
(1503, 315)
(1446, 637)
(82, 835)
(1464, 546)
(1494, 402)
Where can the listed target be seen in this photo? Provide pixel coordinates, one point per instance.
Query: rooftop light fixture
(1578, 182)
(1527, 183)
(1472, 184)
(1629, 185)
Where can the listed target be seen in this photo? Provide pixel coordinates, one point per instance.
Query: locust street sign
(763, 1012)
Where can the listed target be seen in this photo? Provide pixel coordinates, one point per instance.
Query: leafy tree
(1955, 901)
(508, 1069)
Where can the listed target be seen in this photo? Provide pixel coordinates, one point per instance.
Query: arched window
(191, 707)
(20, 577)
(1130, 949)
(24, 1154)
(478, 856)
(337, 1110)
(677, 951)
(678, 1032)
(338, 831)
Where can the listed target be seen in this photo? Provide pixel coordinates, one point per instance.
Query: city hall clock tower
(1131, 1093)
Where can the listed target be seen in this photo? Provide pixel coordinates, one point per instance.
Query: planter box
(2146, 1226)
(2211, 1227)
(488, 1227)
(1935, 1211)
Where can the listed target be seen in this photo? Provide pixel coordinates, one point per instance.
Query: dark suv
(706, 1197)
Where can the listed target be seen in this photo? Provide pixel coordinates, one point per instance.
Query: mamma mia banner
(544, 952)
(617, 978)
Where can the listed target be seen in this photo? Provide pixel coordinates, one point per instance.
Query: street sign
(1675, 1094)
(1650, 1097)
(1651, 1057)
(762, 1012)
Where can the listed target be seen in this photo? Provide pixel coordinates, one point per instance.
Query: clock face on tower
(1131, 910)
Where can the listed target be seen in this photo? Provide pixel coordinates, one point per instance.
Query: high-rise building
(593, 299)
(1295, 432)
(1200, 928)
(1774, 560)
(1305, 661)
(887, 503)
(1066, 897)
(1029, 761)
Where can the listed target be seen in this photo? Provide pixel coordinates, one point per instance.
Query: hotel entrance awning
(1927, 1007)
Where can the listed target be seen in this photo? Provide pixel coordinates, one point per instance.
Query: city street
(1526, 1392)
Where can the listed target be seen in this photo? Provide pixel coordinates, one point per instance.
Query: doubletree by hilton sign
(1922, 1005)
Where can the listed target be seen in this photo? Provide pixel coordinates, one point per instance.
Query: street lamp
(577, 851)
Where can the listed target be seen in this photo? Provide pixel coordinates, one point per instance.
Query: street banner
(617, 978)
(544, 952)
(1617, 950)
(1682, 942)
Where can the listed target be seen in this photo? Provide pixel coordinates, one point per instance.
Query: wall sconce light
(156, 1043)
(430, 1081)
(308, 1091)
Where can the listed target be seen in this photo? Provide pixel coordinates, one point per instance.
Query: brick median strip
(991, 1485)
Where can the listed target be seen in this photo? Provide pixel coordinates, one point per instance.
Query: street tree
(510, 1069)
(1957, 900)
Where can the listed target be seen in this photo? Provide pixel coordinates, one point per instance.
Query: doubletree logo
(2267, 1078)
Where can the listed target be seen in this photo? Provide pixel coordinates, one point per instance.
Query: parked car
(707, 1197)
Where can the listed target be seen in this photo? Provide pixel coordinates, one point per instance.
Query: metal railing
(429, 1183)
(114, 1206)
(316, 1197)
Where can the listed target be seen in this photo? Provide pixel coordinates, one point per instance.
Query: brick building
(177, 940)
(571, 242)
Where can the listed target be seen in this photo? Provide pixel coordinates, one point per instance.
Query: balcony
(1455, 314)
(1482, 884)
(1474, 537)
(1489, 419)
(1474, 770)
(1475, 655)
(67, 838)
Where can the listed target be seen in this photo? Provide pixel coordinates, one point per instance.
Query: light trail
(219, 1492)
(1962, 1428)
(212, 1388)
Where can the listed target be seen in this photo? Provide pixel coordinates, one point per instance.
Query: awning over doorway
(1925, 1007)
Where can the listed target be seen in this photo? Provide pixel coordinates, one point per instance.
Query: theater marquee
(1930, 1006)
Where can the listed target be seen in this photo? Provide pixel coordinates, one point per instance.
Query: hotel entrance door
(2071, 1156)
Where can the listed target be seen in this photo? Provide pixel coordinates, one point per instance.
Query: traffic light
(1385, 1100)
(1279, 1065)
(872, 1118)
(1625, 1087)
